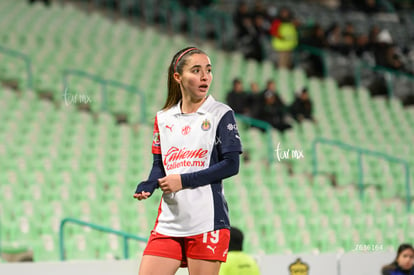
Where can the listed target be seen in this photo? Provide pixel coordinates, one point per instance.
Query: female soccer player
(195, 146)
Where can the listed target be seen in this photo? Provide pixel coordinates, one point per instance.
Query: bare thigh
(203, 267)
(155, 265)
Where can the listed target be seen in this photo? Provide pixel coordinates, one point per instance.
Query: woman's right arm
(146, 188)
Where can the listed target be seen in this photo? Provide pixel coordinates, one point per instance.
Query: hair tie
(181, 55)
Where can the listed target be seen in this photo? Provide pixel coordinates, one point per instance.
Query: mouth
(203, 87)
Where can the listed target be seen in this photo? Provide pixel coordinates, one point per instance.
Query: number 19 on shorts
(212, 236)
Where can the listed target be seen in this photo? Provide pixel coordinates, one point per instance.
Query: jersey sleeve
(228, 135)
(157, 172)
(156, 143)
(227, 167)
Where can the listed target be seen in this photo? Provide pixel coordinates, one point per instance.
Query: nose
(203, 75)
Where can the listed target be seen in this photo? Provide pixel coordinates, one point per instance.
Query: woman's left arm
(229, 149)
(227, 167)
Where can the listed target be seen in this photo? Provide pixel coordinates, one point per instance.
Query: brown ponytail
(177, 64)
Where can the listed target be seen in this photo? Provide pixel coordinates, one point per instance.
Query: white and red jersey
(190, 143)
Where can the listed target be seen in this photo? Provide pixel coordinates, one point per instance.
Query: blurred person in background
(403, 263)
(237, 98)
(348, 42)
(255, 100)
(334, 36)
(387, 53)
(238, 262)
(316, 39)
(284, 37)
(254, 47)
(46, 2)
(272, 89)
(242, 20)
(274, 110)
(370, 6)
(196, 4)
(301, 108)
(252, 28)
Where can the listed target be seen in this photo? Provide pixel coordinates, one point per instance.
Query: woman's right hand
(145, 189)
(142, 196)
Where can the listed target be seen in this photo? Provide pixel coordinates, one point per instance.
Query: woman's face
(196, 76)
(406, 259)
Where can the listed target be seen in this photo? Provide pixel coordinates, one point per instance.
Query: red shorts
(212, 246)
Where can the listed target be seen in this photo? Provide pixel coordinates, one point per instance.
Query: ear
(177, 77)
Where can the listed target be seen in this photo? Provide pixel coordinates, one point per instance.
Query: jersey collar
(204, 107)
(201, 110)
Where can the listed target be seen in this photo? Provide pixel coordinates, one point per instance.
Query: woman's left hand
(171, 183)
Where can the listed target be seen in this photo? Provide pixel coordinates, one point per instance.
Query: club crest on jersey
(206, 125)
(185, 130)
